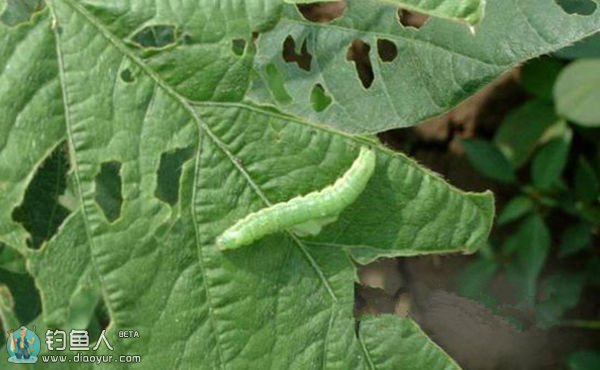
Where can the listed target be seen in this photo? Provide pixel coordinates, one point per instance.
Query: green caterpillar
(306, 214)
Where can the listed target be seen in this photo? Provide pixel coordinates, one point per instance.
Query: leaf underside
(73, 74)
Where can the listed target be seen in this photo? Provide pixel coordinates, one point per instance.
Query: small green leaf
(529, 247)
(577, 92)
(538, 76)
(516, 208)
(475, 278)
(530, 121)
(587, 186)
(574, 239)
(561, 292)
(488, 160)
(550, 161)
(584, 360)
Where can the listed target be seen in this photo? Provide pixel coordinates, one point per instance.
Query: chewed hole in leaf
(169, 174)
(381, 289)
(82, 305)
(20, 290)
(319, 98)
(276, 84)
(238, 46)
(411, 19)
(580, 7)
(11, 260)
(358, 52)
(387, 50)
(323, 12)
(41, 212)
(99, 321)
(303, 59)
(187, 39)
(156, 36)
(20, 11)
(108, 190)
(127, 75)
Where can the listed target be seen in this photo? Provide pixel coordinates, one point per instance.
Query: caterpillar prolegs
(305, 214)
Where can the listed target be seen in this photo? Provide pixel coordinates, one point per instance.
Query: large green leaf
(155, 266)
(128, 85)
(434, 68)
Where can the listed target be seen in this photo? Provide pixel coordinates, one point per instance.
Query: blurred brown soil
(474, 336)
(425, 289)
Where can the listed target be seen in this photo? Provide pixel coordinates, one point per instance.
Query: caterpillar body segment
(305, 214)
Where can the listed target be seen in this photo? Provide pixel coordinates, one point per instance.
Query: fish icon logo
(23, 346)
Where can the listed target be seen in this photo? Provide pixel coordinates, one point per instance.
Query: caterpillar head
(229, 240)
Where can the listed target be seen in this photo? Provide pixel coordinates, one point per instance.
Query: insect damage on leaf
(16, 12)
(41, 212)
(306, 214)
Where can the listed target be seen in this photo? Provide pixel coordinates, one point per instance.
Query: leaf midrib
(76, 168)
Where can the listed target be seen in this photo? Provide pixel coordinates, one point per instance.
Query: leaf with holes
(152, 129)
(374, 53)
